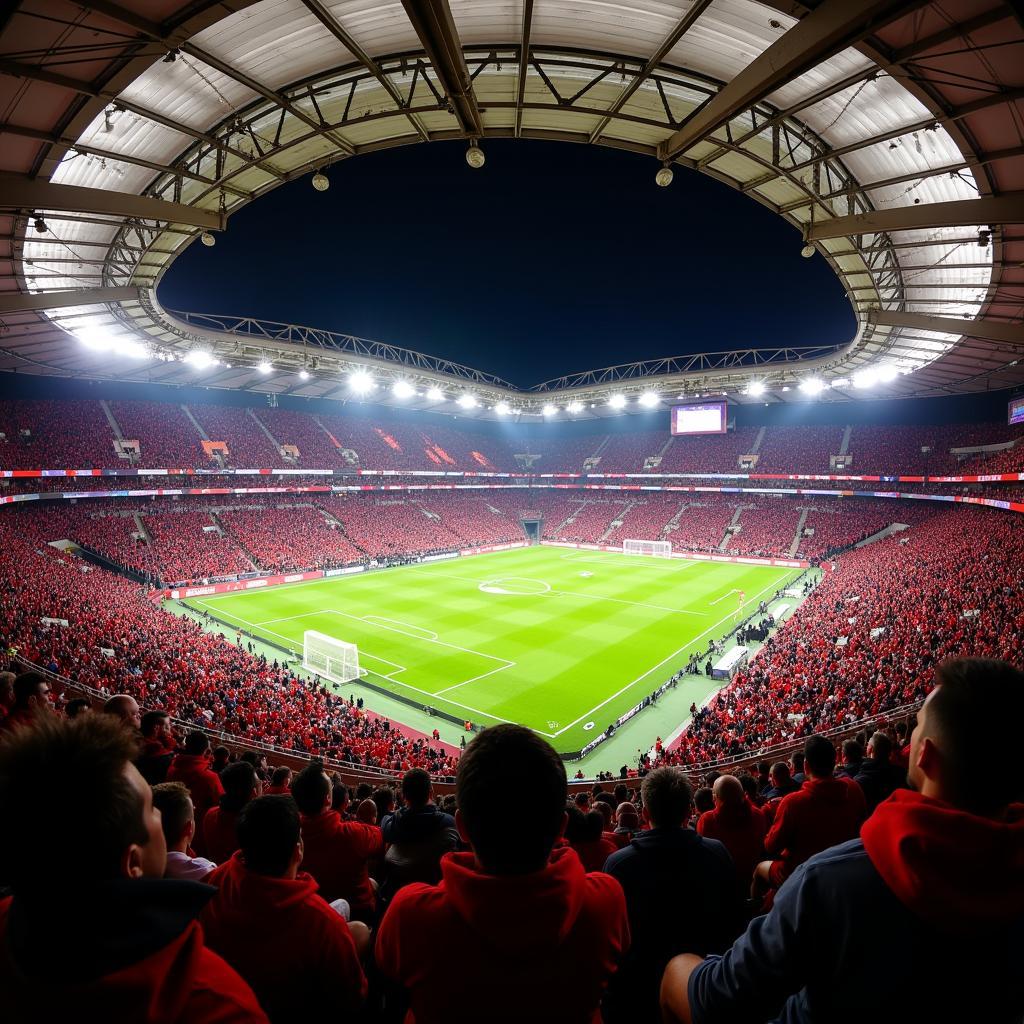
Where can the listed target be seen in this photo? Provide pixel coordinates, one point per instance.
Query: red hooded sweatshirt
(741, 829)
(203, 784)
(820, 814)
(293, 949)
(530, 947)
(955, 870)
(217, 835)
(337, 855)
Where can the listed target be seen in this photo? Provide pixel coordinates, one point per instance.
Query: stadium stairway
(226, 531)
(727, 536)
(195, 423)
(265, 429)
(798, 536)
(111, 419)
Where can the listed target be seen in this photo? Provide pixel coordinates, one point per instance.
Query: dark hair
(84, 840)
(239, 781)
(150, 721)
(853, 750)
(798, 762)
(501, 764)
(26, 686)
(268, 831)
(197, 742)
(781, 771)
(704, 798)
(172, 800)
(982, 776)
(310, 788)
(416, 787)
(75, 707)
(384, 798)
(280, 776)
(340, 796)
(363, 792)
(667, 797)
(583, 827)
(750, 786)
(819, 756)
(881, 746)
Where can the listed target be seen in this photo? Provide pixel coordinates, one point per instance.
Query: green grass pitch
(561, 640)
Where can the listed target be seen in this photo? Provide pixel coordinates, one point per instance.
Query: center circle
(522, 586)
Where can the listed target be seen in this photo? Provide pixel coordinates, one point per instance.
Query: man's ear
(929, 759)
(190, 829)
(131, 862)
(565, 821)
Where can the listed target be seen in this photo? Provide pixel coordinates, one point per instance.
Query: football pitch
(561, 640)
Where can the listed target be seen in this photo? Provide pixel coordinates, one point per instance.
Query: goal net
(656, 548)
(333, 659)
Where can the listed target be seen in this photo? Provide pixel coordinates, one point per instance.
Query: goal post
(654, 548)
(329, 657)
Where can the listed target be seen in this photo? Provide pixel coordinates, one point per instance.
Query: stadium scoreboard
(700, 418)
(1016, 410)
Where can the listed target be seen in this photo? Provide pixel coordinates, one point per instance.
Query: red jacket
(595, 852)
(822, 813)
(337, 854)
(182, 982)
(204, 785)
(537, 946)
(217, 837)
(741, 829)
(295, 951)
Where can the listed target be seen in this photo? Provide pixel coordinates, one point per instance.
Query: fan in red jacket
(217, 838)
(193, 768)
(31, 697)
(738, 825)
(336, 853)
(91, 871)
(533, 935)
(824, 812)
(268, 922)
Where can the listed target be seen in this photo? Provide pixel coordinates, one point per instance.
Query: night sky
(550, 259)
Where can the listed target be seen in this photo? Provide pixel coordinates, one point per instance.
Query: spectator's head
(582, 801)
(853, 752)
(363, 792)
(819, 757)
(197, 743)
(311, 790)
(125, 708)
(667, 798)
(748, 783)
(221, 758)
(7, 689)
(797, 761)
(77, 706)
(500, 765)
(269, 836)
(241, 784)
(281, 777)
(339, 794)
(31, 692)
(704, 798)
(109, 830)
(728, 791)
(156, 725)
(604, 808)
(880, 747)
(780, 774)
(174, 803)
(621, 794)
(763, 768)
(384, 798)
(583, 826)
(952, 755)
(366, 812)
(416, 789)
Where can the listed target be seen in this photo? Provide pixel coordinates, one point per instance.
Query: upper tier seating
(166, 436)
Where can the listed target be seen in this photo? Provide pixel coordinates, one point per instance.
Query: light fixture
(755, 387)
(649, 399)
(812, 386)
(887, 373)
(664, 176)
(840, 382)
(207, 239)
(503, 408)
(574, 407)
(263, 366)
(200, 359)
(170, 56)
(467, 401)
(549, 409)
(303, 374)
(321, 182)
(402, 389)
(786, 387)
(360, 382)
(475, 155)
(808, 251)
(435, 394)
(617, 401)
(865, 378)
(40, 225)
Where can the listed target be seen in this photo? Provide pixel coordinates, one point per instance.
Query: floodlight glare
(435, 394)
(503, 408)
(264, 367)
(361, 382)
(574, 407)
(649, 399)
(200, 359)
(617, 401)
(402, 389)
(755, 387)
(887, 373)
(865, 378)
(467, 401)
(303, 375)
(812, 386)
(841, 382)
(549, 410)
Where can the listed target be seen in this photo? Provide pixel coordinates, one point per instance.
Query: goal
(656, 548)
(333, 659)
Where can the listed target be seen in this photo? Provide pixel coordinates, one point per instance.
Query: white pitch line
(674, 654)
(635, 604)
(722, 598)
(484, 675)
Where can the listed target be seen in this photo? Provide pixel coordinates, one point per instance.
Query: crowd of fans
(767, 527)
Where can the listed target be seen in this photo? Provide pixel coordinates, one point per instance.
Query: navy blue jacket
(413, 825)
(681, 898)
(838, 947)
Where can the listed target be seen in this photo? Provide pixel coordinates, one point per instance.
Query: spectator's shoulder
(219, 995)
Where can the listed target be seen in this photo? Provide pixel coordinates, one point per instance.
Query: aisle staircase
(799, 535)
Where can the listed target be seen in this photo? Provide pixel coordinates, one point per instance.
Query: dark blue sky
(552, 258)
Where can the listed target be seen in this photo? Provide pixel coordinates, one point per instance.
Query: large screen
(1017, 410)
(703, 418)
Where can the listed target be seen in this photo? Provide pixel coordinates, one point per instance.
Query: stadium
(339, 675)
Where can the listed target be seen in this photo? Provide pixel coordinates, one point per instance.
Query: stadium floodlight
(361, 382)
(200, 359)
(808, 251)
(887, 373)
(402, 389)
(303, 374)
(649, 399)
(574, 407)
(840, 382)
(321, 182)
(263, 366)
(207, 239)
(435, 394)
(503, 408)
(617, 401)
(755, 388)
(664, 176)
(549, 409)
(865, 378)
(812, 386)
(475, 155)
(467, 401)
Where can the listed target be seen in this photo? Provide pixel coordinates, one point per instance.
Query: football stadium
(502, 579)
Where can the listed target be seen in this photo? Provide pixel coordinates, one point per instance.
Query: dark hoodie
(536, 947)
(116, 951)
(415, 824)
(922, 918)
(291, 946)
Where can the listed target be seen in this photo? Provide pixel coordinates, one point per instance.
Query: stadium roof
(889, 132)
